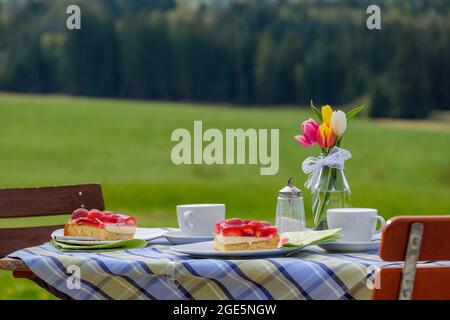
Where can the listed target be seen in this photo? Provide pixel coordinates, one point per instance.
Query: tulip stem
(324, 196)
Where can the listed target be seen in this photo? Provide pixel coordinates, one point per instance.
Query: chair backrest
(42, 201)
(428, 239)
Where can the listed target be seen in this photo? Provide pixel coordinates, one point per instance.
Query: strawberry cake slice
(104, 225)
(238, 234)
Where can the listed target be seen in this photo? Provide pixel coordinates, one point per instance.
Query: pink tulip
(309, 137)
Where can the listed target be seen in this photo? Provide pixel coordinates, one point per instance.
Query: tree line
(234, 51)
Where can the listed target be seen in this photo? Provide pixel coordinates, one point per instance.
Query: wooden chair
(38, 202)
(412, 239)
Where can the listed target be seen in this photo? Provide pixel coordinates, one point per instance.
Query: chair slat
(435, 243)
(431, 283)
(45, 201)
(18, 238)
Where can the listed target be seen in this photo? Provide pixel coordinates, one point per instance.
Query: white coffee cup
(358, 224)
(199, 219)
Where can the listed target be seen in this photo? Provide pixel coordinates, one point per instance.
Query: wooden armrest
(13, 264)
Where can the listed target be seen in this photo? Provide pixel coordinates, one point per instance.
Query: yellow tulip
(326, 113)
(325, 135)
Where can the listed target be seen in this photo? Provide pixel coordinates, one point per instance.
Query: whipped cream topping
(235, 240)
(120, 228)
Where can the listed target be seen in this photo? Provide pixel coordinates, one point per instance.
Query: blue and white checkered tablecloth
(156, 272)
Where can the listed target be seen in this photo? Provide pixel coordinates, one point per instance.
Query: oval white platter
(206, 250)
(141, 233)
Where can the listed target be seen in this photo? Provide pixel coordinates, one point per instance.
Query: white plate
(176, 237)
(337, 246)
(141, 233)
(206, 250)
(83, 241)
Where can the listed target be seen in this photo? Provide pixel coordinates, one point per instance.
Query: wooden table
(13, 264)
(20, 270)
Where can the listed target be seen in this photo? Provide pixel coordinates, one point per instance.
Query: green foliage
(316, 111)
(382, 98)
(90, 55)
(352, 113)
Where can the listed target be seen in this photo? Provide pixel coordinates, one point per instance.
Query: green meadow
(397, 167)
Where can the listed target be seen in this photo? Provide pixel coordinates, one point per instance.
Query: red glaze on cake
(239, 234)
(105, 225)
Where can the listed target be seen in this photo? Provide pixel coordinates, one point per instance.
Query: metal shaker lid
(290, 191)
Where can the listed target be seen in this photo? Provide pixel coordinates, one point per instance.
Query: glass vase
(330, 191)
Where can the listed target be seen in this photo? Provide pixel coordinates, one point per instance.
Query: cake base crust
(270, 243)
(81, 230)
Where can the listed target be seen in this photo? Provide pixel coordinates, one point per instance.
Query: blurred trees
(146, 56)
(91, 55)
(244, 52)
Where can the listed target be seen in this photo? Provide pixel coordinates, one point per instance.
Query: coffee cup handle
(187, 219)
(382, 222)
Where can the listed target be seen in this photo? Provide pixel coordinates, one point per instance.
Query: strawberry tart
(238, 234)
(104, 225)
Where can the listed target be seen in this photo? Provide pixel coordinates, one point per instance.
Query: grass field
(125, 145)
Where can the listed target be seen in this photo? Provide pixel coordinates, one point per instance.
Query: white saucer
(141, 233)
(176, 237)
(206, 250)
(337, 246)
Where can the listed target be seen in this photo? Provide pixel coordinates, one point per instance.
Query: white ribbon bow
(334, 159)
